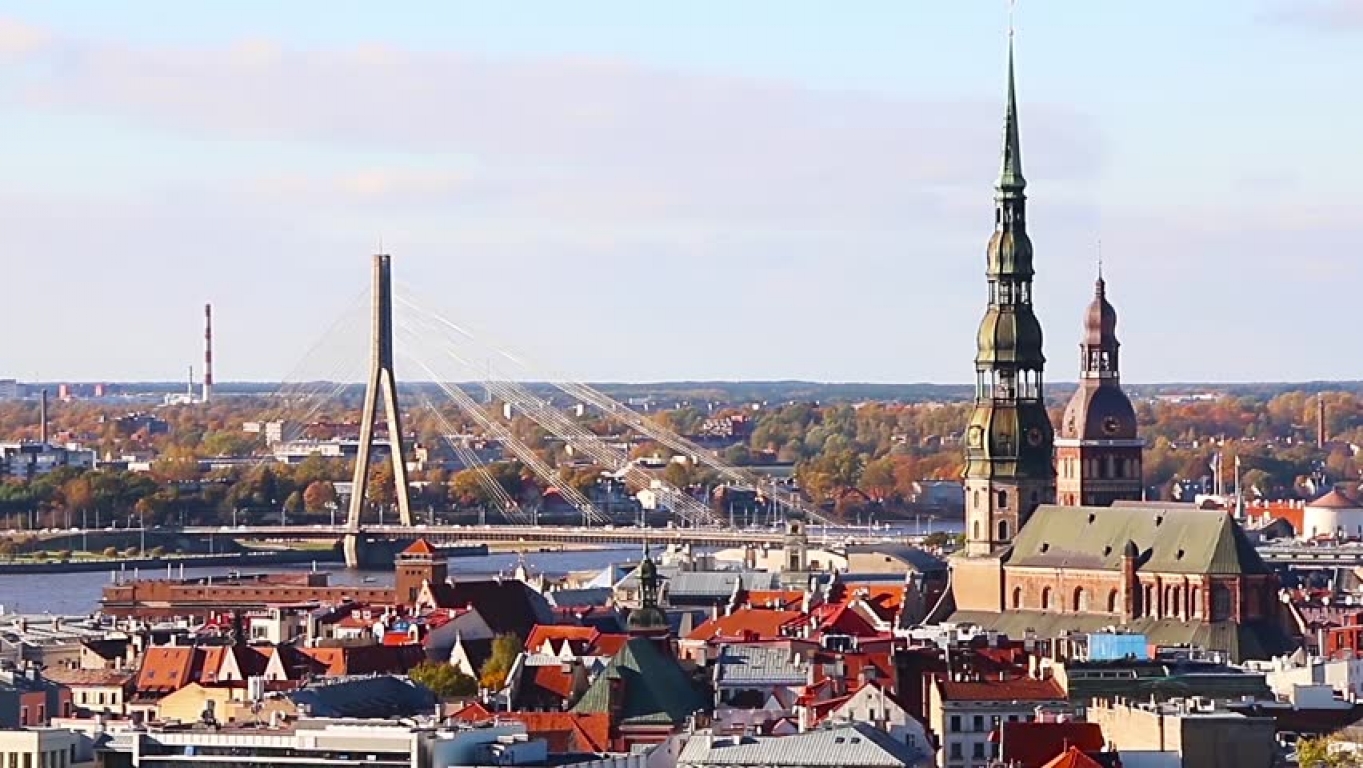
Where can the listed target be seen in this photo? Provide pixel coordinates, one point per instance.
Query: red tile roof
(751, 623)
(566, 731)
(1073, 758)
(419, 547)
(558, 634)
(786, 599)
(554, 680)
(1033, 745)
(166, 669)
(1017, 689)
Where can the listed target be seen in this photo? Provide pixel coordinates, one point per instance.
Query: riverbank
(244, 560)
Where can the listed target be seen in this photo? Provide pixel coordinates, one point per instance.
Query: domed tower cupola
(1098, 451)
(1100, 345)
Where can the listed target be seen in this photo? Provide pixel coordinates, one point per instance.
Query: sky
(623, 191)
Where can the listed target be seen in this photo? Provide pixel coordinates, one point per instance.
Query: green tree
(9, 549)
(443, 679)
(505, 649)
(1316, 753)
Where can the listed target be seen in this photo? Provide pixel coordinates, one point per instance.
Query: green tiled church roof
(1168, 540)
(656, 690)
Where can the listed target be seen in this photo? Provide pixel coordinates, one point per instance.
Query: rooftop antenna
(1100, 258)
(1012, 4)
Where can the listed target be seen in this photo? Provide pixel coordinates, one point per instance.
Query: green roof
(1168, 540)
(1247, 640)
(656, 690)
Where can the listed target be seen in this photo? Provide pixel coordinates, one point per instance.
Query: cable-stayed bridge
(435, 349)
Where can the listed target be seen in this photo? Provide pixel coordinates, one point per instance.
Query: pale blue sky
(647, 191)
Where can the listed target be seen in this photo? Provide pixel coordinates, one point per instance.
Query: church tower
(1009, 470)
(1098, 453)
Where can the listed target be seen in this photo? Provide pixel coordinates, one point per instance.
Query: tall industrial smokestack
(208, 352)
(1321, 437)
(42, 418)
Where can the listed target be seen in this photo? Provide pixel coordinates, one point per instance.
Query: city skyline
(814, 185)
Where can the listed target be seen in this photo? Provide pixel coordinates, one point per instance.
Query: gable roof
(1033, 745)
(1073, 758)
(852, 744)
(1169, 539)
(384, 696)
(566, 732)
(168, 668)
(656, 690)
(1017, 689)
(507, 605)
(745, 622)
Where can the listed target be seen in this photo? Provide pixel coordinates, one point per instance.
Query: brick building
(1179, 576)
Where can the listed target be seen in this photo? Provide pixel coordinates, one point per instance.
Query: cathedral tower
(1098, 454)
(1008, 470)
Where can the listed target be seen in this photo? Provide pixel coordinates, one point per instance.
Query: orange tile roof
(786, 599)
(472, 712)
(558, 633)
(566, 731)
(1073, 758)
(610, 644)
(555, 680)
(419, 547)
(755, 622)
(166, 669)
(1017, 689)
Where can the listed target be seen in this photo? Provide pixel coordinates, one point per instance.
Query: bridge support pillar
(352, 545)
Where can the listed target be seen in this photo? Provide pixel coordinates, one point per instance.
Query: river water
(74, 594)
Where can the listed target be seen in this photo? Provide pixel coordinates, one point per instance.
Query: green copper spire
(1010, 175)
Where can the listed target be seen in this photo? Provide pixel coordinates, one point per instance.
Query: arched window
(975, 530)
(1146, 608)
(1003, 499)
(1046, 599)
(975, 499)
(1112, 601)
(1003, 530)
(1017, 597)
(1195, 597)
(1221, 602)
(1081, 600)
(1176, 608)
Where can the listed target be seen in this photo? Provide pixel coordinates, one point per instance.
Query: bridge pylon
(381, 384)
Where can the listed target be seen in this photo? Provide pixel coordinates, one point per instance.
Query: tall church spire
(1009, 468)
(1010, 175)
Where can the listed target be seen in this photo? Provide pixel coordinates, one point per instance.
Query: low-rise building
(964, 713)
(45, 748)
(1194, 730)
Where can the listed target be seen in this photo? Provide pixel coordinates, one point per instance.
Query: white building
(873, 705)
(45, 748)
(1332, 515)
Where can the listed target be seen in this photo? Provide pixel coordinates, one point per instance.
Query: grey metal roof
(571, 598)
(854, 745)
(720, 583)
(747, 665)
(917, 559)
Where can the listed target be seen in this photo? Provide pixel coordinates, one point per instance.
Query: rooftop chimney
(208, 352)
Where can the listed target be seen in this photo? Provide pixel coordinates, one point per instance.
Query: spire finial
(1010, 176)
(1100, 259)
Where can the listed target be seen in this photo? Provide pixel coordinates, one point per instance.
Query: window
(975, 530)
(1003, 530)
(955, 724)
(1221, 602)
(1003, 499)
(977, 723)
(1081, 600)
(1017, 597)
(1046, 599)
(1112, 601)
(977, 750)
(956, 751)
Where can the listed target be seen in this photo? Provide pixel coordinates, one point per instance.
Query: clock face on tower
(1111, 425)
(1034, 436)
(975, 437)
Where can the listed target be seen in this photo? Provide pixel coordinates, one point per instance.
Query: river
(75, 594)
